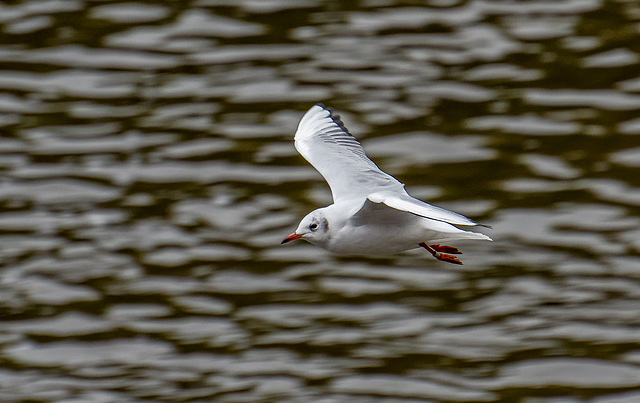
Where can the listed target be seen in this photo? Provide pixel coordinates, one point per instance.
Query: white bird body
(372, 213)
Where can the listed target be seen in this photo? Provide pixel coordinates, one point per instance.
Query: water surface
(149, 174)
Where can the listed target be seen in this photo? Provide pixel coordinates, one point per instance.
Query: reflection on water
(149, 174)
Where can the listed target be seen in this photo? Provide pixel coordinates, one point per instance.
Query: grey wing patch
(379, 213)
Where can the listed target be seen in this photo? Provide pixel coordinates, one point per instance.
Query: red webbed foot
(446, 249)
(436, 251)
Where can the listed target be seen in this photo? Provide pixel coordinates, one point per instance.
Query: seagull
(372, 213)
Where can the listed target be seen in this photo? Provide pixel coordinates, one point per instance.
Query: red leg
(446, 249)
(439, 255)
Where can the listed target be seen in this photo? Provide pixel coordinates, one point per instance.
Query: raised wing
(323, 140)
(404, 202)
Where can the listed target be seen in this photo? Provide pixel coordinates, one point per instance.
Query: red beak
(291, 237)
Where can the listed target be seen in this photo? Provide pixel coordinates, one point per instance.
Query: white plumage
(372, 213)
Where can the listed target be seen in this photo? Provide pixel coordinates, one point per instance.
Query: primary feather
(323, 140)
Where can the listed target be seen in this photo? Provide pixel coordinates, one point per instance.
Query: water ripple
(149, 175)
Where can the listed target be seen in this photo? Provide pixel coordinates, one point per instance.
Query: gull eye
(313, 226)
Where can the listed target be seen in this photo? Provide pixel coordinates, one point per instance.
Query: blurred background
(148, 175)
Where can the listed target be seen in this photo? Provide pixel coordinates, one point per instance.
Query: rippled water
(148, 175)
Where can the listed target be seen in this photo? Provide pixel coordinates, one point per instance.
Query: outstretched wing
(404, 202)
(323, 140)
(388, 209)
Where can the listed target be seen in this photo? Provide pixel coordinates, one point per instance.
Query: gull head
(314, 228)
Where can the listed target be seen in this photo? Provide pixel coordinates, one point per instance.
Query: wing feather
(404, 202)
(324, 141)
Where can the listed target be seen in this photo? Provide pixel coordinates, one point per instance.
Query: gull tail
(449, 232)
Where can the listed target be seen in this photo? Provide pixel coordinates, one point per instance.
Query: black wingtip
(335, 117)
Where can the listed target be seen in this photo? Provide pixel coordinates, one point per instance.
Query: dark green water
(148, 175)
